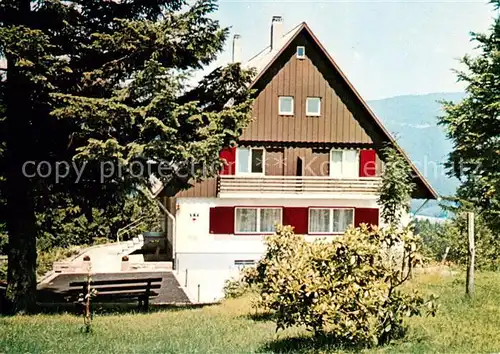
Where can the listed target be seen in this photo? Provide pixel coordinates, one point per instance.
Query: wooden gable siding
(275, 162)
(301, 78)
(313, 163)
(203, 189)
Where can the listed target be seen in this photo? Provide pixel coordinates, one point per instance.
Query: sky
(385, 48)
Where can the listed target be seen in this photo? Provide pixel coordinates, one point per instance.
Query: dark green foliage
(396, 188)
(434, 239)
(46, 258)
(95, 82)
(4, 241)
(472, 126)
(3, 271)
(64, 225)
(453, 233)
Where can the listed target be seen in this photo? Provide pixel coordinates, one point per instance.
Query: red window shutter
(367, 163)
(221, 220)
(228, 154)
(298, 218)
(366, 216)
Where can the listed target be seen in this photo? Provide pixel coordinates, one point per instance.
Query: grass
(461, 326)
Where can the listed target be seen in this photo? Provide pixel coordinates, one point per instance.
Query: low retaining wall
(70, 267)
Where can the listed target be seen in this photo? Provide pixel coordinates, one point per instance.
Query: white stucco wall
(209, 259)
(196, 248)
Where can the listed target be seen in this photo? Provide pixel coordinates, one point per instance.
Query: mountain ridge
(413, 121)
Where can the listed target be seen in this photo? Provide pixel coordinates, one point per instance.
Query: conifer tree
(473, 125)
(105, 83)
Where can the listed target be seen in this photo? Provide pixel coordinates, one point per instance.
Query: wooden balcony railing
(296, 185)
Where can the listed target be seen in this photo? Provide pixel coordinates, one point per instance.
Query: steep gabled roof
(267, 57)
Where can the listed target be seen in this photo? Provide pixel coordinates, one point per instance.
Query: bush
(3, 270)
(437, 237)
(45, 259)
(434, 239)
(235, 288)
(4, 241)
(346, 289)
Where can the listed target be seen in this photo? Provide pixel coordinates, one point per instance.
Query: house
(310, 158)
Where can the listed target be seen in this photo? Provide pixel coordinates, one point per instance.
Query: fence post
(472, 255)
(186, 279)
(198, 293)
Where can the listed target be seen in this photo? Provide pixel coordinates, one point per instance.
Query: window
(313, 106)
(285, 105)
(329, 220)
(249, 160)
(301, 52)
(257, 220)
(344, 163)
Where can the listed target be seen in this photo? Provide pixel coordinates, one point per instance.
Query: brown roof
(266, 58)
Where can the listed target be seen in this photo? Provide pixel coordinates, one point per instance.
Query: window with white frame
(313, 106)
(285, 105)
(344, 163)
(330, 220)
(257, 220)
(250, 160)
(301, 52)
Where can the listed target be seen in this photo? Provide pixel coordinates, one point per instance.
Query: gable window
(344, 163)
(330, 220)
(257, 220)
(301, 52)
(285, 105)
(249, 160)
(313, 106)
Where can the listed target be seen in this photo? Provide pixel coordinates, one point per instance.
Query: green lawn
(461, 326)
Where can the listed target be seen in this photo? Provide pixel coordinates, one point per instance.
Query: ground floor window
(330, 220)
(257, 220)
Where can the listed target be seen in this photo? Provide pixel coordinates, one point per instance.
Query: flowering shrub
(346, 288)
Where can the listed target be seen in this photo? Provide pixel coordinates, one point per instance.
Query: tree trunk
(21, 279)
(21, 222)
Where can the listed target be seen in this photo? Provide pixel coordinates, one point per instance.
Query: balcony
(297, 187)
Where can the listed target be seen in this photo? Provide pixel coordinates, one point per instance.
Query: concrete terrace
(196, 286)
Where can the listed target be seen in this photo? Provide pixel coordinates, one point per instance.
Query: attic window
(313, 106)
(285, 105)
(301, 52)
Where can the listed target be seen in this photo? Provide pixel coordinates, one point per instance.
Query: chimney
(237, 48)
(276, 31)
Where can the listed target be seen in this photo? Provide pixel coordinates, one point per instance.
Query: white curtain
(344, 164)
(268, 218)
(342, 218)
(246, 220)
(336, 164)
(319, 220)
(350, 168)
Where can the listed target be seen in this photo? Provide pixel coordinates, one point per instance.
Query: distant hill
(412, 119)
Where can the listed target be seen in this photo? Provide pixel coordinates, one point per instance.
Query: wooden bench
(119, 289)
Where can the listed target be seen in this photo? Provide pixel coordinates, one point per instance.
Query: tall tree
(98, 89)
(473, 126)
(396, 187)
